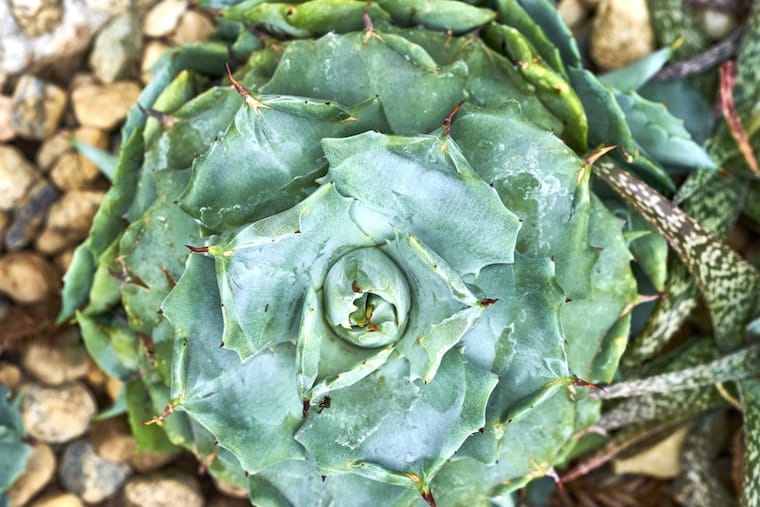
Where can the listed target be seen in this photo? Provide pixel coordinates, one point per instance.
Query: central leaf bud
(367, 298)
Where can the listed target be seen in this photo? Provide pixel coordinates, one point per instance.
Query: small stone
(56, 363)
(52, 241)
(6, 110)
(28, 215)
(104, 106)
(17, 176)
(152, 52)
(117, 49)
(27, 277)
(716, 24)
(163, 17)
(621, 33)
(113, 439)
(73, 213)
(90, 476)
(95, 376)
(73, 170)
(193, 27)
(10, 375)
(162, 490)
(573, 12)
(36, 17)
(37, 107)
(56, 414)
(62, 261)
(58, 500)
(114, 387)
(52, 148)
(40, 468)
(146, 461)
(663, 460)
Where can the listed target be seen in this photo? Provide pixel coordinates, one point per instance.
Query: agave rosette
(399, 277)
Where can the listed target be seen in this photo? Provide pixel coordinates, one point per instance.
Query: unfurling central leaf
(366, 298)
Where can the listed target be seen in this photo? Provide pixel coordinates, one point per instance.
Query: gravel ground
(72, 69)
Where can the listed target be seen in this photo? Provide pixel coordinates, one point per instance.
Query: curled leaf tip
(599, 153)
(486, 302)
(428, 497)
(159, 419)
(577, 381)
(197, 249)
(249, 99)
(449, 117)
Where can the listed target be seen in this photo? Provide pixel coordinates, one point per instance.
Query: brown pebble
(192, 27)
(37, 107)
(114, 387)
(113, 440)
(163, 17)
(52, 241)
(57, 362)
(62, 261)
(163, 490)
(621, 34)
(104, 106)
(146, 461)
(29, 214)
(73, 170)
(17, 176)
(58, 500)
(10, 375)
(27, 277)
(73, 213)
(40, 467)
(56, 414)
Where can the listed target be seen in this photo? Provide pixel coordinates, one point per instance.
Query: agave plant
(362, 264)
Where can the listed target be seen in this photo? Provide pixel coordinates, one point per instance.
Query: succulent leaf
(13, 451)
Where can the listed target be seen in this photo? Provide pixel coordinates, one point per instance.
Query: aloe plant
(363, 263)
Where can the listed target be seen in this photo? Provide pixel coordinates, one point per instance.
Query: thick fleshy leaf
(212, 380)
(661, 135)
(404, 427)
(633, 76)
(269, 158)
(440, 15)
(550, 87)
(545, 14)
(114, 348)
(419, 183)
(739, 365)
(511, 164)
(163, 228)
(13, 452)
(511, 13)
(713, 199)
(350, 70)
(308, 19)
